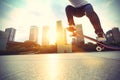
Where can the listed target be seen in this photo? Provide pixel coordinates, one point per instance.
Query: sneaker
(71, 28)
(101, 37)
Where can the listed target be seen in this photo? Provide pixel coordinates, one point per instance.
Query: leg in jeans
(85, 10)
(70, 12)
(90, 13)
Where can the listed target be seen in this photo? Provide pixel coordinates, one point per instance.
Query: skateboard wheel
(98, 48)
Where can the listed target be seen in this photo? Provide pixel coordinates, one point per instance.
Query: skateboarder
(80, 8)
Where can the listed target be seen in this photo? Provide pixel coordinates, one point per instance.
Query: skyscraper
(116, 35)
(33, 34)
(11, 33)
(45, 38)
(113, 36)
(109, 36)
(60, 33)
(3, 40)
(79, 39)
(61, 41)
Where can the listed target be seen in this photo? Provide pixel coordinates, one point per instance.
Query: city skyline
(24, 13)
(52, 35)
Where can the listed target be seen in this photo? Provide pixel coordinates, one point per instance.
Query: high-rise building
(113, 36)
(109, 36)
(3, 40)
(79, 40)
(116, 35)
(34, 34)
(11, 33)
(45, 38)
(61, 41)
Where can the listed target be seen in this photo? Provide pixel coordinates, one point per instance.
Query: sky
(21, 14)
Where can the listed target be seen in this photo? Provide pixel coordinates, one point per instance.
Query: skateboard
(100, 45)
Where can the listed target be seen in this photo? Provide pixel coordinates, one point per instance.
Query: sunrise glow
(23, 14)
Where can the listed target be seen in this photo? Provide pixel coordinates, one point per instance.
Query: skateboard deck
(100, 45)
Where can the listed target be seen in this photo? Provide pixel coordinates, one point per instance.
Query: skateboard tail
(102, 44)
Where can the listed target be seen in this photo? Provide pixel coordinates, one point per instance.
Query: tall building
(109, 36)
(11, 33)
(34, 34)
(3, 40)
(113, 36)
(79, 40)
(116, 35)
(45, 38)
(61, 41)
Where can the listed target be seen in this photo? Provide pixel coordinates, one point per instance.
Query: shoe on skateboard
(101, 37)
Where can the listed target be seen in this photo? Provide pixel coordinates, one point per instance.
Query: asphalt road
(69, 66)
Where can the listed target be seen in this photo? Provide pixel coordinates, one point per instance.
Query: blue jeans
(81, 11)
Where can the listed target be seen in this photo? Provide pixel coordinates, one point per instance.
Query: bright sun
(52, 37)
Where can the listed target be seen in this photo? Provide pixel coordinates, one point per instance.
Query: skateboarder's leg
(94, 19)
(70, 12)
